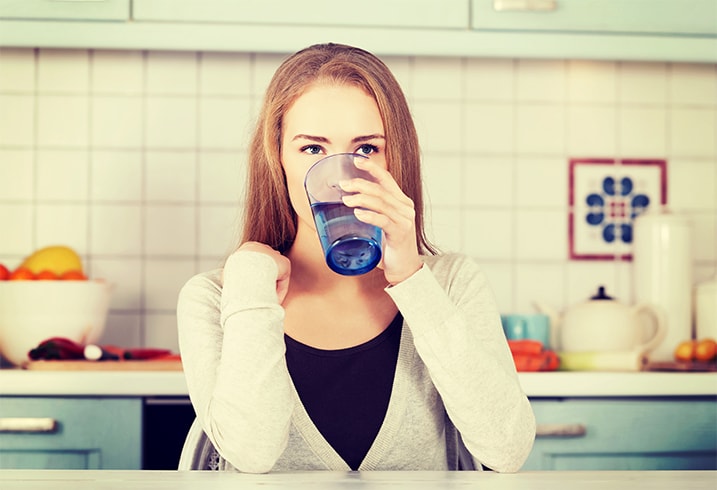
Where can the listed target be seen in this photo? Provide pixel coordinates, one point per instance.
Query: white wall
(136, 160)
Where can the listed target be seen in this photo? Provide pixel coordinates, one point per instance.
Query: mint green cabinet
(443, 14)
(636, 17)
(625, 434)
(640, 30)
(70, 433)
(104, 10)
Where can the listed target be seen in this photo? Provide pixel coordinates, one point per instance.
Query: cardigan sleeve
(451, 312)
(232, 347)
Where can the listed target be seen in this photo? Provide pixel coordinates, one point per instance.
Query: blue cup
(532, 327)
(351, 247)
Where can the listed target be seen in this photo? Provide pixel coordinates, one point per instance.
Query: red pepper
(59, 348)
(525, 346)
(145, 354)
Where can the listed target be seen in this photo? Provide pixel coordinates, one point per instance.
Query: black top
(346, 391)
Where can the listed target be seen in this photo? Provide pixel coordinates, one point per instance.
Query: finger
(380, 174)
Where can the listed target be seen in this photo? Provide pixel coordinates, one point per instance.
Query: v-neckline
(391, 422)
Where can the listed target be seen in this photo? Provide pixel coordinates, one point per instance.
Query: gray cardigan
(454, 371)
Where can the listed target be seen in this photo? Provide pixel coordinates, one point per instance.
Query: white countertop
(379, 480)
(172, 383)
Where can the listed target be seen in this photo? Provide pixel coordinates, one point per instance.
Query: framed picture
(605, 197)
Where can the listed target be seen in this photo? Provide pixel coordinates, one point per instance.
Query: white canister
(706, 310)
(662, 270)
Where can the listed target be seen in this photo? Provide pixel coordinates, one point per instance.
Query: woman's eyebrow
(318, 139)
(368, 137)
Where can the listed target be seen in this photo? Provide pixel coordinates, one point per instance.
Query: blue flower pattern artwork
(605, 196)
(615, 208)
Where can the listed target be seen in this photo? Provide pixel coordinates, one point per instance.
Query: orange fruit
(706, 349)
(73, 275)
(4, 273)
(46, 275)
(22, 274)
(685, 351)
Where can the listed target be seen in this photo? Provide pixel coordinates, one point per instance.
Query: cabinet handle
(43, 425)
(525, 5)
(560, 430)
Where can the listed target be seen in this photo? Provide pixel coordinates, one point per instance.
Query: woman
(291, 366)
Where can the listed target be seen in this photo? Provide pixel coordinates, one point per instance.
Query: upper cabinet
(635, 17)
(117, 10)
(438, 14)
(649, 30)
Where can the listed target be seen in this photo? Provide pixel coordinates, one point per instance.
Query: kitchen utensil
(634, 360)
(33, 311)
(602, 324)
(706, 309)
(662, 272)
(533, 327)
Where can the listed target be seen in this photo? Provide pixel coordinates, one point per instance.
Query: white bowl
(34, 311)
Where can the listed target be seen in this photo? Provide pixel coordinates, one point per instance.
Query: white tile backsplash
(117, 72)
(17, 120)
(63, 121)
(226, 123)
(429, 73)
(693, 84)
(592, 81)
(16, 166)
(591, 130)
(137, 159)
(488, 127)
(117, 122)
(171, 122)
(224, 74)
(693, 132)
(171, 73)
(435, 135)
(65, 224)
(62, 175)
(489, 79)
(170, 230)
(17, 70)
(642, 130)
(63, 71)
(116, 176)
(540, 128)
(170, 176)
(642, 83)
(541, 80)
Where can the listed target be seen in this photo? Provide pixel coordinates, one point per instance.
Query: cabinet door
(70, 433)
(625, 434)
(69, 10)
(684, 17)
(366, 13)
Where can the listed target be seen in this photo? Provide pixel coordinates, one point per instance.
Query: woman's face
(325, 120)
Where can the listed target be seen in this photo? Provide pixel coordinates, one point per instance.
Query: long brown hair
(268, 215)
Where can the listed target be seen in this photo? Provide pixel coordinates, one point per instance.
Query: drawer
(70, 433)
(622, 434)
(684, 17)
(117, 10)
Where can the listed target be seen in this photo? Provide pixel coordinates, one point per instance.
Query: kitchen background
(136, 160)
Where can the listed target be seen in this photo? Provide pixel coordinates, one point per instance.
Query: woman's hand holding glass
(384, 204)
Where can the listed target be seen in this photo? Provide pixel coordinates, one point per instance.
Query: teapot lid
(601, 294)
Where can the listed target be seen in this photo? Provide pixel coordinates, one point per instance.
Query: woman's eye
(311, 149)
(367, 149)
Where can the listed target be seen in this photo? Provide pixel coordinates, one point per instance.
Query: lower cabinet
(672, 433)
(675, 433)
(70, 433)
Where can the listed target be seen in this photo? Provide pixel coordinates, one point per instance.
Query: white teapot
(604, 324)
